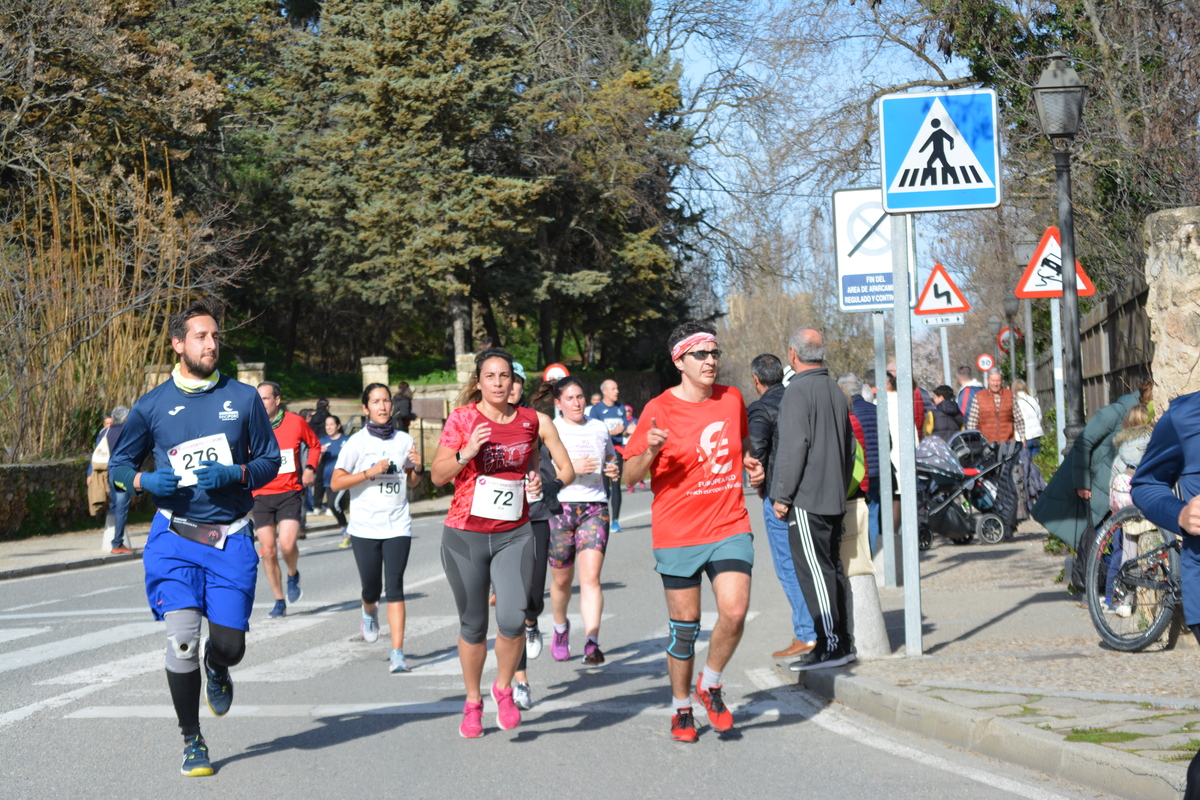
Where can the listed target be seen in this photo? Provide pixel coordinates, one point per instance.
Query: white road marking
(425, 581)
(24, 712)
(152, 661)
(327, 657)
(35, 605)
(11, 634)
(109, 589)
(94, 612)
(450, 707)
(835, 722)
(77, 644)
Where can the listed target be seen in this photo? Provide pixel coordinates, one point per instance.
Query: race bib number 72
(499, 499)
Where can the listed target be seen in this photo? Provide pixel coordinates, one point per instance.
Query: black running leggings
(380, 562)
(536, 602)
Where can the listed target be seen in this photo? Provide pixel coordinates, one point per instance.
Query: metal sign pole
(906, 439)
(945, 357)
(1056, 344)
(1030, 359)
(887, 525)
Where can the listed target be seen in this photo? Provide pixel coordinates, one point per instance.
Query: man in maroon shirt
(279, 504)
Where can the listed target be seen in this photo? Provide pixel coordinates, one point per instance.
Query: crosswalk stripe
(94, 612)
(77, 644)
(327, 657)
(153, 660)
(12, 634)
(769, 708)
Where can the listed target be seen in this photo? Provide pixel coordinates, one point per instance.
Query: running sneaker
(533, 641)
(615, 527)
(683, 727)
(472, 724)
(719, 715)
(592, 656)
(218, 688)
(522, 696)
(279, 610)
(370, 626)
(398, 664)
(824, 659)
(294, 592)
(121, 550)
(345, 545)
(195, 758)
(560, 644)
(508, 716)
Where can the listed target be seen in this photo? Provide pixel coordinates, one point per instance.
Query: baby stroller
(965, 487)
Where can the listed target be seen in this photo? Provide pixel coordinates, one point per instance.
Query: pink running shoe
(508, 716)
(472, 724)
(560, 645)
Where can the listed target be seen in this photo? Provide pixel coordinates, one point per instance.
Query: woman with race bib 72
(489, 448)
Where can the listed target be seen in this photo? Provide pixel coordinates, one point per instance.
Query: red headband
(687, 344)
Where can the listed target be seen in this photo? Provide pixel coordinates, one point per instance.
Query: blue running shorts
(181, 573)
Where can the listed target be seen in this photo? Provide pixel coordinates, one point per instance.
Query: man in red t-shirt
(279, 504)
(694, 441)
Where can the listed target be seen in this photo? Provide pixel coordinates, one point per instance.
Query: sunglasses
(702, 355)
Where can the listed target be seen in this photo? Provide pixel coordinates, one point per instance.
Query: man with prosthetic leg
(694, 441)
(212, 444)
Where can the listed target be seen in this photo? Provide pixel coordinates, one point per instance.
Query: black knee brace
(682, 644)
(226, 646)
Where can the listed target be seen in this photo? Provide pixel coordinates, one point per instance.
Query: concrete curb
(97, 561)
(1103, 768)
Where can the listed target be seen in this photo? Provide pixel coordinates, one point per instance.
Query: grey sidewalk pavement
(1014, 670)
(39, 555)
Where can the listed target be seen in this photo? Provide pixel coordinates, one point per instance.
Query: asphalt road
(84, 708)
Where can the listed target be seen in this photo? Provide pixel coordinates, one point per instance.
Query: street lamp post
(1059, 96)
(1011, 306)
(994, 325)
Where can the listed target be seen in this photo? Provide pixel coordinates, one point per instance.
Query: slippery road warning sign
(1043, 276)
(940, 151)
(940, 295)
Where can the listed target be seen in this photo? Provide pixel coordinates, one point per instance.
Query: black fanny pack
(209, 533)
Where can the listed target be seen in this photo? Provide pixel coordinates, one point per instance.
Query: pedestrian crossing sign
(939, 151)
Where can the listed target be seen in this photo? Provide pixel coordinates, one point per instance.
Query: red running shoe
(719, 716)
(683, 727)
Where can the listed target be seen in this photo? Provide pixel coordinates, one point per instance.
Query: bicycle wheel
(1143, 590)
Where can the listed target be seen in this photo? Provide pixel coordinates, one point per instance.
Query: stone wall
(43, 497)
(1172, 241)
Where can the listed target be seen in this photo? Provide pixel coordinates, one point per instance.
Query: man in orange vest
(992, 412)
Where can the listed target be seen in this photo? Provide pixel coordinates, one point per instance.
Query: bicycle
(1146, 590)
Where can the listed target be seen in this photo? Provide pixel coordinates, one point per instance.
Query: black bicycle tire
(1095, 597)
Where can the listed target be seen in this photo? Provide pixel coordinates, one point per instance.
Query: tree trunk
(490, 328)
(293, 323)
(460, 320)
(558, 335)
(545, 333)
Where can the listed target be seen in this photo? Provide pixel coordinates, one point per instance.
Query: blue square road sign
(940, 151)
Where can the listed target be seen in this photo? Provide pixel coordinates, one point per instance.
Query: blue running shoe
(294, 593)
(398, 663)
(280, 609)
(195, 758)
(615, 527)
(218, 689)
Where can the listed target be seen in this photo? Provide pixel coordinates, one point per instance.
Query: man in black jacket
(812, 470)
(766, 372)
